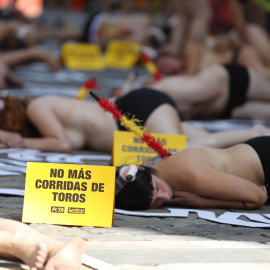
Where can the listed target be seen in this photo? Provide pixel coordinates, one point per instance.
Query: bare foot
(67, 256)
(30, 249)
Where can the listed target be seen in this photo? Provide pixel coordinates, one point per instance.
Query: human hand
(11, 139)
(41, 55)
(185, 198)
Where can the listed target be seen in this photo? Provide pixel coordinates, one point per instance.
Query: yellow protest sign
(128, 148)
(68, 194)
(82, 56)
(122, 54)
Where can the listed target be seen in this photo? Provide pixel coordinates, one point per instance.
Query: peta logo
(74, 210)
(57, 209)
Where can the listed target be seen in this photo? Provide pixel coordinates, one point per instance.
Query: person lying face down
(236, 177)
(219, 92)
(59, 124)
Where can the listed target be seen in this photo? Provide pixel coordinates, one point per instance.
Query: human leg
(249, 58)
(259, 87)
(66, 256)
(164, 119)
(36, 249)
(252, 110)
(260, 41)
(19, 241)
(197, 136)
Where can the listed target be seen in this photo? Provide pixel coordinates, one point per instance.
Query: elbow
(252, 206)
(261, 200)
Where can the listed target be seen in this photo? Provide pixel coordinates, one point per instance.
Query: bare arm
(54, 134)
(193, 54)
(239, 21)
(187, 199)
(11, 140)
(199, 14)
(29, 55)
(211, 183)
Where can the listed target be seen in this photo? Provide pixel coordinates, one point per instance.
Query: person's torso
(240, 160)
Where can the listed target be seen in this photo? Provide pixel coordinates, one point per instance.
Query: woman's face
(162, 192)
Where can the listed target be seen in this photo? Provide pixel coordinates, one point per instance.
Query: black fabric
(6, 14)
(239, 82)
(262, 145)
(141, 103)
(84, 37)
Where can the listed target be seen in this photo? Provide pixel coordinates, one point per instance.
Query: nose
(164, 196)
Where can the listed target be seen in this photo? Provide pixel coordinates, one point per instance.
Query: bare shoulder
(183, 167)
(184, 160)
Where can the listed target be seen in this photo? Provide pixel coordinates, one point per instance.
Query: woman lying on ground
(61, 124)
(20, 241)
(100, 28)
(245, 55)
(219, 91)
(203, 177)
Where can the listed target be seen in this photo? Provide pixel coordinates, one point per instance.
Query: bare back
(84, 122)
(240, 160)
(203, 96)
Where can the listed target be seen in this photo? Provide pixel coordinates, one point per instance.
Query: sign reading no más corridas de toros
(68, 194)
(130, 149)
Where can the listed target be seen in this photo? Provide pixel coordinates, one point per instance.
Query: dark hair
(137, 195)
(13, 117)
(11, 42)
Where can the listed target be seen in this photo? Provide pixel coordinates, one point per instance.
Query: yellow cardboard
(82, 56)
(122, 54)
(68, 194)
(128, 148)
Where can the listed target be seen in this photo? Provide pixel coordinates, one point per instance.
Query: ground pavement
(136, 242)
